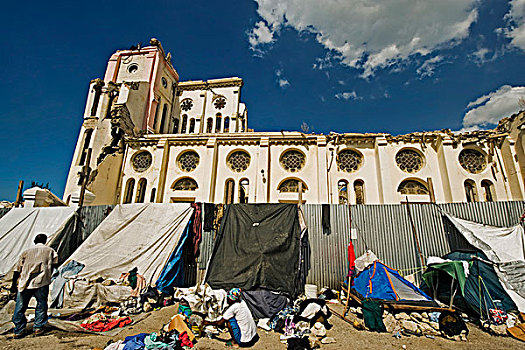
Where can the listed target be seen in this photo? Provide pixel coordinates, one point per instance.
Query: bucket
(310, 290)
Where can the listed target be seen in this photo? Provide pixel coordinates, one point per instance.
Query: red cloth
(197, 227)
(351, 258)
(185, 340)
(104, 326)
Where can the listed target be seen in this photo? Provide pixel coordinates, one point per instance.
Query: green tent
(475, 293)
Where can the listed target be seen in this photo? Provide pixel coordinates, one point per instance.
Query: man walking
(33, 274)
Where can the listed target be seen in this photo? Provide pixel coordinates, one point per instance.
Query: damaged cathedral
(146, 137)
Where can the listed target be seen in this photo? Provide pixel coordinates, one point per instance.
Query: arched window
(229, 191)
(359, 191)
(128, 194)
(209, 125)
(163, 119)
(192, 126)
(408, 187)
(96, 99)
(184, 123)
(85, 146)
(227, 124)
(291, 185)
(156, 115)
(175, 126)
(488, 189)
(185, 184)
(141, 190)
(152, 196)
(218, 122)
(470, 191)
(244, 186)
(342, 188)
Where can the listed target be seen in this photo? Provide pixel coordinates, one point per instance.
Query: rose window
(293, 161)
(472, 161)
(188, 161)
(238, 161)
(142, 161)
(219, 103)
(349, 160)
(409, 161)
(186, 105)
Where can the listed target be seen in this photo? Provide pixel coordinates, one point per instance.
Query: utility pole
(416, 239)
(18, 200)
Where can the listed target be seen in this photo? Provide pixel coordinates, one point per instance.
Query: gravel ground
(345, 335)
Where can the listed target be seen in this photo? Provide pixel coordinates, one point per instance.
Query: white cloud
(490, 108)
(349, 95)
(428, 67)
(261, 34)
(369, 35)
(281, 80)
(516, 20)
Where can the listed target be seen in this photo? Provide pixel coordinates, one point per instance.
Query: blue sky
(393, 66)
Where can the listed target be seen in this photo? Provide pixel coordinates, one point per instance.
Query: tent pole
(415, 234)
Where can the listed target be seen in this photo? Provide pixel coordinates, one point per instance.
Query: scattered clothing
(104, 325)
(209, 215)
(373, 315)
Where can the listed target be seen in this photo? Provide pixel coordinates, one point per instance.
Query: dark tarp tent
(257, 246)
(379, 281)
(478, 290)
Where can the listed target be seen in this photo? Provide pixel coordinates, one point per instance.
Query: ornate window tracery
(409, 161)
(472, 161)
(238, 161)
(186, 104)
(349, 160)
(293, 160)
(219, 103)
(142, 161)
(408, 187)
(185, 184)
(188, 161)
(291, 186)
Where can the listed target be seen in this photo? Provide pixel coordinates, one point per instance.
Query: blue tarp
(379, 281)
(172, 274)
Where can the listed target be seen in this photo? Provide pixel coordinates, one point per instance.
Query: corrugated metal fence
(387, 231)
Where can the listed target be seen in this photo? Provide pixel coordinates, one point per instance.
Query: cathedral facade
(146, 137)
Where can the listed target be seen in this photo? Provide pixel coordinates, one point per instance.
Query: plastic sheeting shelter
(19, 227)
(503, 246)
(257, 245)
(132, 235)
(478, 289)
(379, 281)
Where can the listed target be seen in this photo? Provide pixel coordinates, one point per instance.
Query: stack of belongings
(385, 296)
(174, 335)
(467, 280)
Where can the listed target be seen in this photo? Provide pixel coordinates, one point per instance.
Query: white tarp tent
(133, 235)
(19, 227)
(504, 246)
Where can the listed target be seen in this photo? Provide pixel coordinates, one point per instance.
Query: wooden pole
(431, 190)
(18, 200)
(415, 234)
(300, 184)
(86, 170)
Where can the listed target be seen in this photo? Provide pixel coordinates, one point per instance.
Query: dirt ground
(345, 335)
